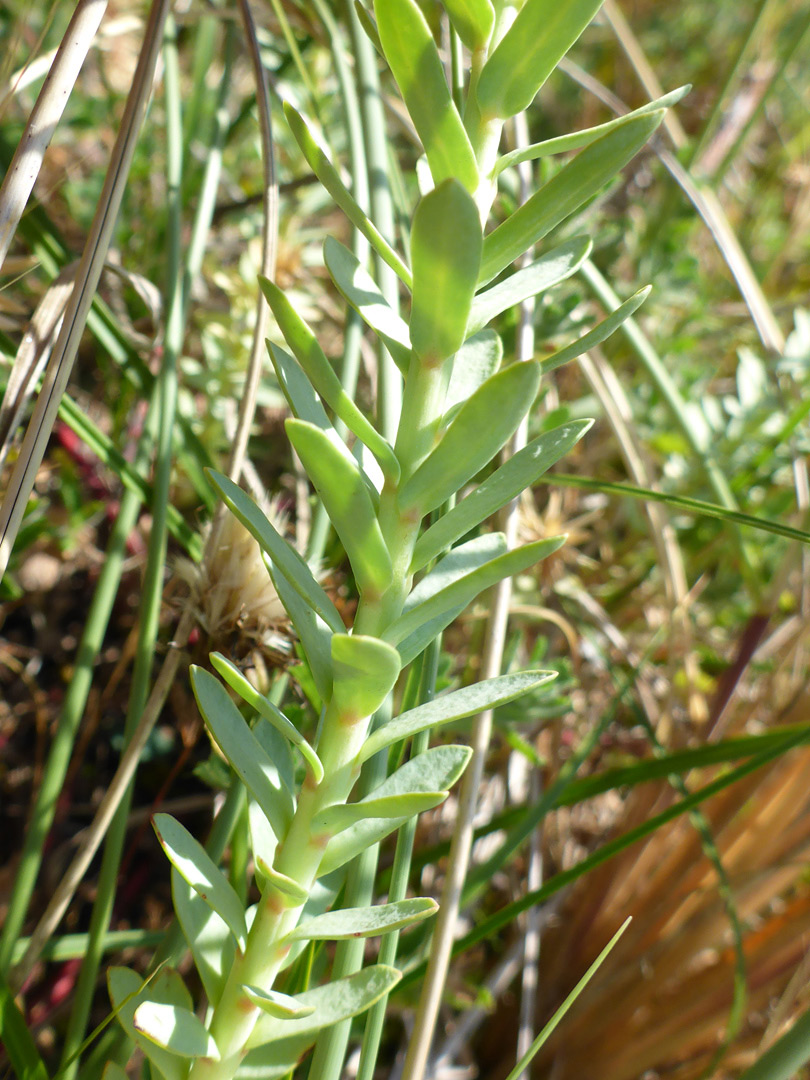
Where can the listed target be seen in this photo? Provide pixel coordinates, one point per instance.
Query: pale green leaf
(359, 289)
(599, 333)
(292, 894)
(446, 246)
(575, 140)
(456, 564)
(364, 922)
(208, 937)
(565, 192)
(332, 1003)
(549, 270)
(476, 361)
(347, 502)
(279, 1006)
(239, 745)
(285, 557)
(461, 591)
(534, 44)
(436, 769)
(472, 20)
(414, 59)
(516, 475)
(340, 816)
(323, 377)
(458, 705)
(477, 432)
(237, 681)
(175, 1029)
(328, 176)
(364, 672)
(127, 991)
(193, 862)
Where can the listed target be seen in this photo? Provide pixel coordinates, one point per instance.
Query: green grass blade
(17, 1039)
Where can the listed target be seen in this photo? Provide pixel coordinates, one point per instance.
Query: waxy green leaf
(599, 333)
(449, 708)
(414, 59)
(565, 192)
(306, 405)
(364, 672)
(340, 816)
(208, 937)
(549, 270)
(516, 475)
(284, 556)
(575, 140)
(360, 289)
(341, 488)
(175, 1029)
(290, 891)
(364, 922)
(279, 1006)
(478, 431)
(435, 770)
(193, 862)
(446, 602)
(328, 176)
(540, 36)
(476, 361)
(456, 564)
(323, 377)
(128, 991)
(446, 247)
(332, 1003)
(242, 749)
(248, 693)
(472, 20)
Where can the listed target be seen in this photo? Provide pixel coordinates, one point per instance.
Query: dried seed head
(233, 595)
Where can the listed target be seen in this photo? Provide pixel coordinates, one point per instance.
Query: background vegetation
(681, 638)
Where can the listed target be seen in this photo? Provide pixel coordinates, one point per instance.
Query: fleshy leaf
(165, 988)
(575, 140)
(540, 36)
(237, 681)
(207, 935)
(456, 564)
(193, 862)
(279, 1006)
(446, 602)
(414, 59)
(565, 192)
(435, 770)
(472, 20)
(358, 287)
(599, 333)
(550, 269)
(332, 1003)
(291, 892)
(446, 247)
(240, 746)
(340, 816)
(364, 672)
(323, 377)
(328, 176)
(348, 504)
(518, 473)
(313, 633)
(449, 708)
(476, 361)
(285, 557)
(365, 921)
(478, 431)
(175, 1029)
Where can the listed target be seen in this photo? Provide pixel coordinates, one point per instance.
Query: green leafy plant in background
(418, 557)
